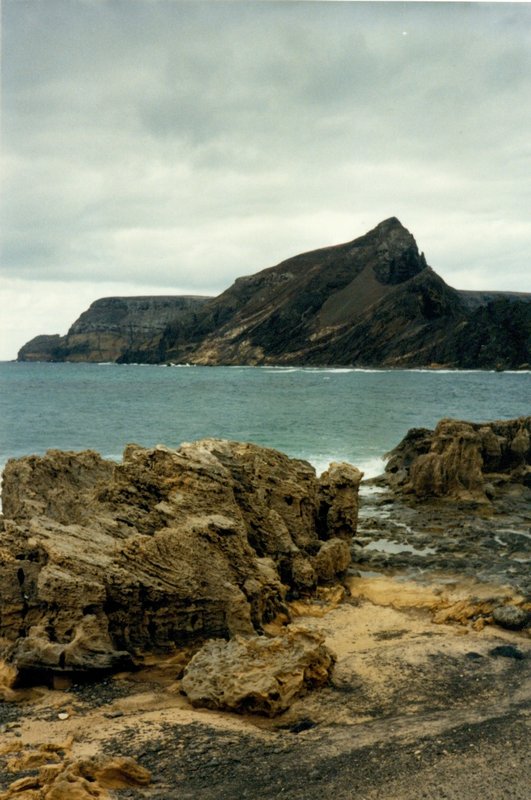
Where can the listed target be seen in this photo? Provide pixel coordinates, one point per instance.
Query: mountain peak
(390, 222)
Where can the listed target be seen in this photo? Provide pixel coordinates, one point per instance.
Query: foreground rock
(257, 675)
(409, 704)
(103, 562)
(87, 779)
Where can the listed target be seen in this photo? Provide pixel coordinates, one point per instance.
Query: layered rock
(372, 301)
(101, 561)
(116, 329)
(462, 459)
(257, 675)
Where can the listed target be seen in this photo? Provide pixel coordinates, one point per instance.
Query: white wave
(371, 467)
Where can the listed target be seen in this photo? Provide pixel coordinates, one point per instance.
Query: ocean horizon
(320, 414)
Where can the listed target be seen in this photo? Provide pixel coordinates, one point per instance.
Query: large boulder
(462, 459)
(257, 675)
(100, 562)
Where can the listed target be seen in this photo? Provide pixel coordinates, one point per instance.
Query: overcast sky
(159, 146)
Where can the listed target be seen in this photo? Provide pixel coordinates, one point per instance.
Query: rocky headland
(372, 637)
(373, 301)
(113, 326)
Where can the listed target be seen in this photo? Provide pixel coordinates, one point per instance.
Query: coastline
(429, 696)
(411, 704)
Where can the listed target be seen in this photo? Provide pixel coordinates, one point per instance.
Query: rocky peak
(372, 301)
(398, 257)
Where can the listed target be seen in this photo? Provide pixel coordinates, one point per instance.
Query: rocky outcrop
(101, 562)
(281, 314)
(257, 675)
(370, 302)
(116, 329)
(85, 779)
(463, 460)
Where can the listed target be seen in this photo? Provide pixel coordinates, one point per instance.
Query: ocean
(322, 415)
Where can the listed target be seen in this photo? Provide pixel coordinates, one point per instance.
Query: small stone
(507, 651)
(512, 617)
(63, 715)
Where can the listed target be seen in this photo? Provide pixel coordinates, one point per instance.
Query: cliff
(373, 301)
(113, 326)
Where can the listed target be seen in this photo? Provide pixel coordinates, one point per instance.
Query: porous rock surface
(87, 779)
(100, 562)
(258, 675)
(464, 460)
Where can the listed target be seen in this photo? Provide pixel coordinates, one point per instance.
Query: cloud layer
(151, 145)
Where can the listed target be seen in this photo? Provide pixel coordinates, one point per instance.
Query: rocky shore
(217, 621)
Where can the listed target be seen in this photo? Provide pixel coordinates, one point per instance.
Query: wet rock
(257, 675)
(512, 617)
(101, 561)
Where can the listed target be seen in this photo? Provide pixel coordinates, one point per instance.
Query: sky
(168, 147)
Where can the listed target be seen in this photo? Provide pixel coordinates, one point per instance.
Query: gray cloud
(176, 144)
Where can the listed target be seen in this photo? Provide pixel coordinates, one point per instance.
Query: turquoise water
(316, 414)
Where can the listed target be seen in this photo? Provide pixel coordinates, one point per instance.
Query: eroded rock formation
(69, 779)
(101, 561)
(258, 675)
(464, 460)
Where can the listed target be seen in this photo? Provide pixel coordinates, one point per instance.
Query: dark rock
(507, 651)
(372, 301)
(116, 329)
(512, 617)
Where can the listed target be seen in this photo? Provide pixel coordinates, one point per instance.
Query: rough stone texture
(257, 675)
(463, 460)
(372, 301)
(88, 779)
(103, 561)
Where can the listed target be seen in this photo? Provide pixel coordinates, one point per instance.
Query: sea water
(321, 415)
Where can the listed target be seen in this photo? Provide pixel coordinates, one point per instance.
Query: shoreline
(408, 697)
(430, 694)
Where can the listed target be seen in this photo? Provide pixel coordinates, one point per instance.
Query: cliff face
(115, 329)
(370, 302)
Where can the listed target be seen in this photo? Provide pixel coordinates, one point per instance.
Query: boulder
(101, 562)
(512, 617)
(257, 675)
(453, 465)
(462, 460)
